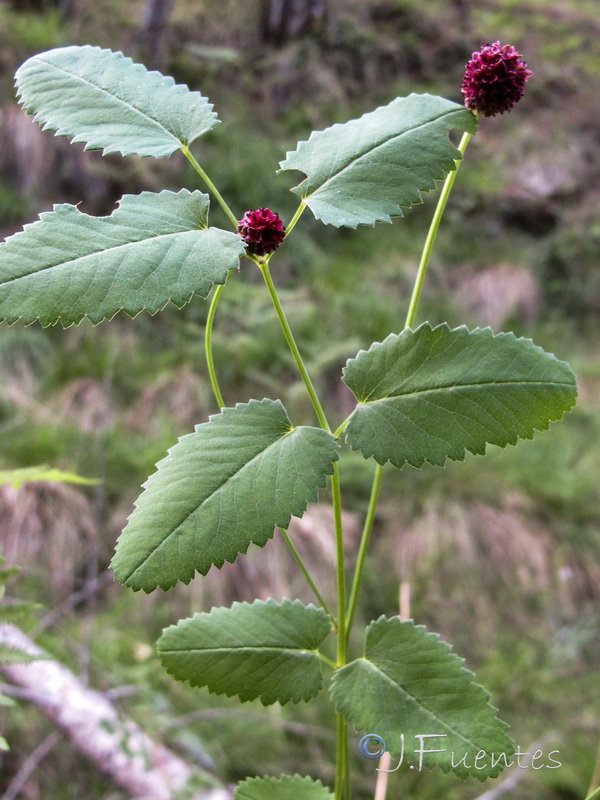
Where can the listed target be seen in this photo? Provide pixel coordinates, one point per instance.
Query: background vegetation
(501, 557)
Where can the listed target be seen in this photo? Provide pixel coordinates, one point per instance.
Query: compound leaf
(224, 486)
(433, 393)
(287, 787)
(105, 100)
(153, 248)
(409, 685)
(266, 649)
(363, 171)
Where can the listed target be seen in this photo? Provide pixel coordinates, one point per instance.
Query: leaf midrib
(292, 651)
(206, 499)
(449, 387)
(108, 250)
(133, 108)
(380, 144)
(418, 702)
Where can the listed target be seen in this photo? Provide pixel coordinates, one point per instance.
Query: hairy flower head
(495, 79)
(262, 230)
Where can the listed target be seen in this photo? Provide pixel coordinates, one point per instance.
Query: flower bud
(262, 230)
(495, 79)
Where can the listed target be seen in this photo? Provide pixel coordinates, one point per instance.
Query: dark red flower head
(262, 230)
(495, 79)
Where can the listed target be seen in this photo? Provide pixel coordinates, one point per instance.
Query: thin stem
(433, 229)
(289, 337)
(186, 152)
(306, 573)
(342, 780)
(363, 548)
(342, 766)
(295, 219)
(341, 760)
(338, 431)
(327, 661)
(208, 345)
(410, 318)
(341, 573)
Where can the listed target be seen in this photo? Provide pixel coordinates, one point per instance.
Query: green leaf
(14, 655)
(361, 172)
(6, 702)
(153, 248)
(410, 684)
(224, 486)
(288, 787)
(266, 650)
(105, 100)
(17, 477)
(433, 393)
(8, 572)
(17, 612)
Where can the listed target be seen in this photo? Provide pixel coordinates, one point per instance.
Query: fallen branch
(145, 769)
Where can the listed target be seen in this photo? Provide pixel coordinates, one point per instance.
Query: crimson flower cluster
(262, 230)
(495, 79)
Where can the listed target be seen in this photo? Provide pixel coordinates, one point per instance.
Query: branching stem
(304, 570)
(410, 319)
(218, 196)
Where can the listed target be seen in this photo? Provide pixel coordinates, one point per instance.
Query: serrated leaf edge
(313, 497)
(487, 330)
(306, 780)
(469, 675)
(93, 319)
(167, 81)
(245, 697)
(449, 166)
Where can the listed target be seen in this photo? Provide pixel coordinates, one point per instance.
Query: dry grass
(495, 294)
(48, 529)
(473, 564)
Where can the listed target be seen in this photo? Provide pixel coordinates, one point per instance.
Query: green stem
(363, 548)
(338, 431)
(327, 661)
(291, 342)
(295, 219)
(342, 789)
(208, 345)
(186, 152)
(433, 229)
(306, 573)
(595, 795)
(410, 318)
(342, 769)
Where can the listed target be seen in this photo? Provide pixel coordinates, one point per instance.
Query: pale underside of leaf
(220, 489)
(154, 248)
(264, 650)
(365, 170)
(432, 394)
(110, 103)
(410, 683)
(287, 787)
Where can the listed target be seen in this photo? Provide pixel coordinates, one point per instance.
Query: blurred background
(501, 557)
